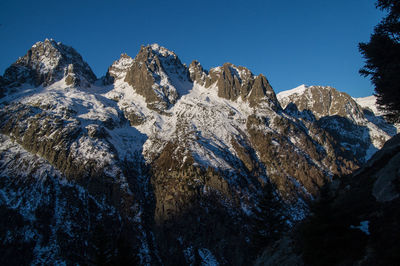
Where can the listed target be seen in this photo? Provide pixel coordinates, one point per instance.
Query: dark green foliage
(382, 54)
(269, 218)
(103, 243)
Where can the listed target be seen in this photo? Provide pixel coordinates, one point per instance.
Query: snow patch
(207, 257)
(298, 90)
(364, 227)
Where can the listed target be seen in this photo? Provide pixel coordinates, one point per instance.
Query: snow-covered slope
(369, 102)
(48, 62)
(158, 143)
(337, 112)
(283, 95)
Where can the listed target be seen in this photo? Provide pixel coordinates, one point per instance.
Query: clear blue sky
(291, 42)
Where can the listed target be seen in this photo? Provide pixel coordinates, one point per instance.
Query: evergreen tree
(382, 65)
(269, 218)
(102, 242)
(125, 254)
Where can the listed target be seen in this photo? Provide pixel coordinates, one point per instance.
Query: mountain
(47, 62)
(158, 162)
(369, 102)
(360, 130)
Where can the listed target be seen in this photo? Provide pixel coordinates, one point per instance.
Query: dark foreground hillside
(355, 221)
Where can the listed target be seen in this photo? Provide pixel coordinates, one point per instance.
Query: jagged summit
(118, 69)
(322, 101)
(234, 82)
(338, 113)
(158, 49)
(157, 143)
(159, 76)
(47, 62)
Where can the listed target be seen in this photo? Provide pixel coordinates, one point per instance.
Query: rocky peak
(159, 76)
(237, 81)
(262, 90)
(197, 73)
(118, 69)
(161, 51)
(47, 62)
(322, 101)
(361, 132)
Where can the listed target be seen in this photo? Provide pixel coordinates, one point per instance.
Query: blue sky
(291, 42)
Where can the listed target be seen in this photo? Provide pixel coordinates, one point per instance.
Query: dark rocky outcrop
(261, 88)
(198, 207)
(159, 76)
(68, 222)
(314, 161)
(197, 73)
(356, 216)
(234, 82)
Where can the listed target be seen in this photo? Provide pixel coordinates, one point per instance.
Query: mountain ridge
(164, 145)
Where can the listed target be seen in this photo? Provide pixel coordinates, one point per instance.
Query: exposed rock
(68, 222)
(197, 73)
(323, 101)
(260, 89)
(118, 69)
(233, 82)
(96, 131)
(47, 62)
(387, 177)
(361, 133)
(357, 215)
(229, 82)
(159, 76)
(278, 153)
(182, 180)
(195, 203)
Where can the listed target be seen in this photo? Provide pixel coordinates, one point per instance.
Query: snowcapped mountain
(48, 62)
(160, 160)
(322, 101)
(359, 130)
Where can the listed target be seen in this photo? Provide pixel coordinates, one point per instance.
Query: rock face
(234, 82)
(173, 158)
(322, 101)
(361, 131)
(158, 75)
(359, 210)
(118, 70)
(47, 62)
